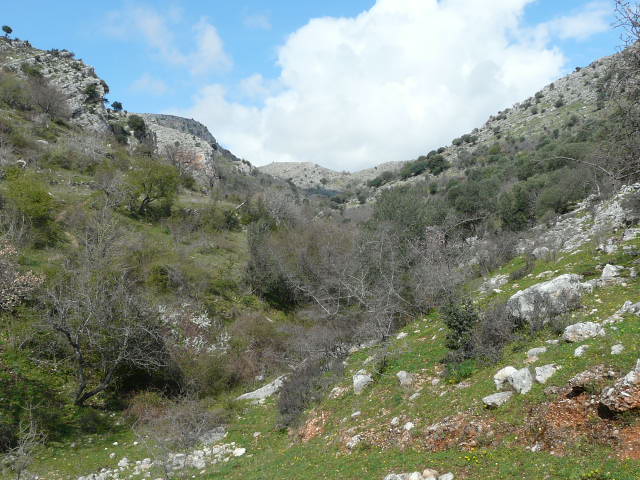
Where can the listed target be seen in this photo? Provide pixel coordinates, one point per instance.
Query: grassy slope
(275, 454)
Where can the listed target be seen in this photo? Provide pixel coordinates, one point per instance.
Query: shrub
(151, 187)
(461, 320)
(30, 197)
(136, 123)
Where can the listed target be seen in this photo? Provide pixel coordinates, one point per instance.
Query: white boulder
(521, 381)
(545, 372)
(582, 331)
(501, 377)
(360, 381)
(550, 297)
(497, 399)
(264, 392)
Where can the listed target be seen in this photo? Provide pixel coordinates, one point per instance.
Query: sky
(347, 84)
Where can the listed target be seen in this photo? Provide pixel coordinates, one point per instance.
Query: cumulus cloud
(149, 84)
(155, 29)
(390, 84)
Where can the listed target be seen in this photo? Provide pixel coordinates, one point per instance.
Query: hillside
(309, 176)
(569, 102)
(169, 311)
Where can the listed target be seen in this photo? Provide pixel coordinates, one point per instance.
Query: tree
(136, 123)
(117, 106)
(150, 182)
(95, 309)
(7, 30)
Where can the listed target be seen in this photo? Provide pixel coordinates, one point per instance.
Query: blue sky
(306, 80)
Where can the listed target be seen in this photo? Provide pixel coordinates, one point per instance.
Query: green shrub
(28, 194)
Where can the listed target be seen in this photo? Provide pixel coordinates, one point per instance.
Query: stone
(395, 421)
(596, 374)
(536, 352)
(611, 271)
(393, 476)
(446, 476)
(360, 381)
(500, 378)
(402, 335)
(548, 298)
(414, 396)
(415, 476)
(624, 395)
(238, 452)
(580, 351)
(264, 392)
(545, 372)
(582, 331)
(430, 474)
(406, 379)
(617, 349)
(629, 307)
(521, 381)
(353, 442)
(409, 426)
(123, 462)
(494, 283)
(497, 399)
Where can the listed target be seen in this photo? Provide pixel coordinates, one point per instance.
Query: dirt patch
(314, 426)
(630, 443)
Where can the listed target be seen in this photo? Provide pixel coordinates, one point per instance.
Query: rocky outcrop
(625, 394)
(548, 298)
(582, 331)
(265, 391)
(72, 77)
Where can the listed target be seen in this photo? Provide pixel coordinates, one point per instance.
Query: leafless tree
(17, 460)
(94, 307)
(49, 99)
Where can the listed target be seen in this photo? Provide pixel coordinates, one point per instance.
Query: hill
(169, 311)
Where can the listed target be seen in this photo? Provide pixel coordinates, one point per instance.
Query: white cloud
(257, 21)
(591, 19)
(149, 84)
(390, 84)
(156, 31)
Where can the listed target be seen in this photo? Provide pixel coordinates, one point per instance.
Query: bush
(30, 197)
(136, 123)
(304, 387)
(461, 320)
(151, 188)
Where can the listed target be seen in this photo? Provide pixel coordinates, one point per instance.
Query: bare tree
(17, 460)
(49, 99)
(94, 307)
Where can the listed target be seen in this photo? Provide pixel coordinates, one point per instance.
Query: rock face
(192, 145)
(548, 298)
(497, 399)
(625, 394)
(360, 381)
(264, 392)
(72, 77)
(582, 331)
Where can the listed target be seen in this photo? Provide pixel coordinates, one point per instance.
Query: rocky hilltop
(309, 175)
(84, 93)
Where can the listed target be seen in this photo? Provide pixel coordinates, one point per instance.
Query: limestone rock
(501, 377)
(611, 271)
(625, 394)
(548, 298)
(580, 351)
(497, 399)
(264, 392)
(406, 379)
(617, 349)
(545, 372)
(360, 381)
(536, 352)
(521, 381)
(582, 331)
